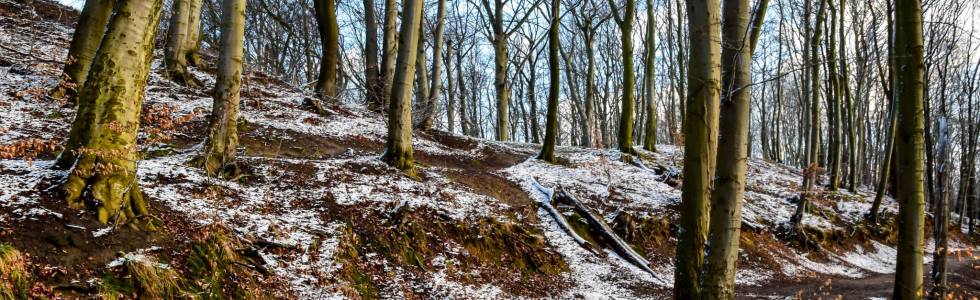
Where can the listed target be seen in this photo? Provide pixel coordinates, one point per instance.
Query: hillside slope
(317, 215)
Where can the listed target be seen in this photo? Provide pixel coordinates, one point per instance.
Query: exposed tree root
(114, 196)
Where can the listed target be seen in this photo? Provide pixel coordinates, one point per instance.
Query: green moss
(13, 274)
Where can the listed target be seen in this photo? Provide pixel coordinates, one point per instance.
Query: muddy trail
(964, 283)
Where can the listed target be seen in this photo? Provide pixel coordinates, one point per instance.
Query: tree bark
(700, 133)
(222, 141)
(175, 56)
(372, 71)
(326, 20)
(909, 143)
(433, 100)
(389, 50)
(108, 119)
(551, 122)
(85, 42)
(813, 144)
(733, 143)
(625, 22)
(398, 145)
(650, 135)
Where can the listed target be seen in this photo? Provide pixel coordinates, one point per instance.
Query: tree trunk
(192, 43)
(733, 142)
(551, 123)
(650, 135)
(625, 22)
(909, 148)
(433, 99)
(222, 141)
(175, 57)
(813, 144)
(701, 138)
(500, 85)
(389, 50)
(326, 23)
(450, 90)
(108, 119)
(940, 286)
(84, 44)
(372, 72)
(398, 144)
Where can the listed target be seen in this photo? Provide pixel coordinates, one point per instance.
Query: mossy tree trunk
(326, 24)
(85, 41)
(551, 122)
(701, 139)
(104, 174)
(389, 50)
(909, 143)
(192, 43)
(175, 56)
(625, 22)
(650, 135)
(398, 145)
(732, 154)
(222, 141)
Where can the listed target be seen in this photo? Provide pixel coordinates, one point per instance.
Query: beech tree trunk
(389, 50)
(733, 143)
(701, 140)
(108, 119)
(175, 56)
(372, 72)
(909, 143)
(326, 20)
(222, 141)
(436, 80)
(192, 43)
(398, 144)
(650, 134)
(625, 22)
(85, 41)
(813, 143)
(551, 122)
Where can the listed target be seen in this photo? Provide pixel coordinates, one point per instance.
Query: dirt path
(964, 278)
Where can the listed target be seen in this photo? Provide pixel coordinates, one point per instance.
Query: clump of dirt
(506, 253)
(649, 235)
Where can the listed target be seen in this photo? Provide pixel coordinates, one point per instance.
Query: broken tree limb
(546, 204)
(663, 173)
(618, 244)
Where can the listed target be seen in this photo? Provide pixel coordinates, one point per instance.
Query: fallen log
(621, 247)
(546, 204)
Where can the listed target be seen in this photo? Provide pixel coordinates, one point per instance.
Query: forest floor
(316, 215)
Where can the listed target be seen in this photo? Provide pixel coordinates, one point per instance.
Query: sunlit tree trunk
(389, 50)
(192, 43)
(701, 138)
(175, 56)
(398, 144)
(84, 44)
(222, 141)
(108, 119)
(729, 185)
(326, 20)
